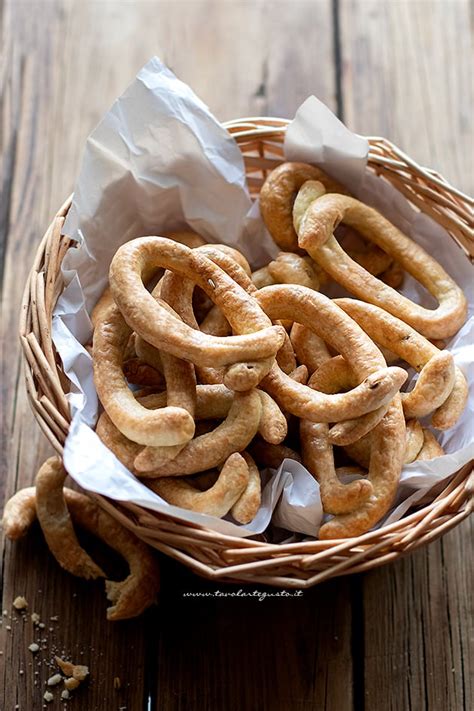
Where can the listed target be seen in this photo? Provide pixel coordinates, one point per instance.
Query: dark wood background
(399, 638)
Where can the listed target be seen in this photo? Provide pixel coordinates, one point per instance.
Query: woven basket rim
(224, 557)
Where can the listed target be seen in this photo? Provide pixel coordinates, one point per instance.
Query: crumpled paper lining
(158, 161)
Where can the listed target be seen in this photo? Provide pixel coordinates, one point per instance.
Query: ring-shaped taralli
(309, 348)
(247, 505)
(290, 268)
(56, 524)
(386, 459)
(213, 402)
(258, 339)
(317, 238)
(448, 398)
(168, 426)
(278, 194)
(334, 376)
(130, 597)
(210, 450)
(431, 447)
(360, 450)
(178, 293)
(378, 384)
(318, 458)
(215, 501)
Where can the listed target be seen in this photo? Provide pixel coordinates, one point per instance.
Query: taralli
(289, 268)
(56, 524)
(377, 383)
(137, 372)
(19, 513)
(179, 374)
(286, 357)
(273, 426)
(213, 402)
(210, 450)
(278, 194)
(431, 447)
(318, 458)
(168, 426)
(124, 449)
(300, 375)
(308, 192)
(442, 390)
(393, 276)
(414, 441)
(272, 455)
(247, 505)
(360, 451)
(262, 277)
(102, 306)
(310, 349)
(190, 239)
(316, 237)
(131, 596)
(159, 327)
(216, 501)
(148, 354)
(333, 376)
(386, 459)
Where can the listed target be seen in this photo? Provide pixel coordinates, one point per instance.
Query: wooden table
(397, 638)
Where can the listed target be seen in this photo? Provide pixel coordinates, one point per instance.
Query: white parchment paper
(158, 161)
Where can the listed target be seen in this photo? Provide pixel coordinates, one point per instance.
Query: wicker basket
(210, 554)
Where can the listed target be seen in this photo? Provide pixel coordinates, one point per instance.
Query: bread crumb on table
(48, 696)
(55, 679)
(19, 603)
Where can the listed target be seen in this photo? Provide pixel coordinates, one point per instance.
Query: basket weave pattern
(214, 555)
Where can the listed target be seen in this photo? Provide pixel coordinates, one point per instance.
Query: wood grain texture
(399, 638)
(406, 75)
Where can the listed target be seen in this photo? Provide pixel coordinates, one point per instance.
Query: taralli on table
(279, 193)
(56, 524)
(317, 238)
(131, 596)
(19, 513)
(216, 501)
(442, 391)
(378, 384)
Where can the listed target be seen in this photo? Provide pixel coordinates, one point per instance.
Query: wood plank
(406, 76)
